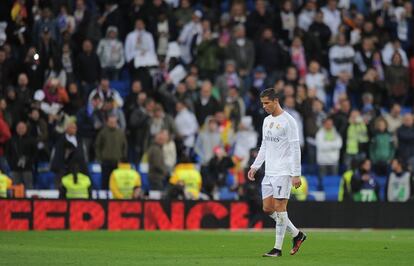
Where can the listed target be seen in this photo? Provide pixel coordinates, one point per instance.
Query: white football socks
(281, 224)
(291, 228)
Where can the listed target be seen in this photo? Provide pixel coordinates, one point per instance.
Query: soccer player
(280, 150)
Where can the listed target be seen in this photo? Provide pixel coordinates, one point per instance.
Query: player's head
(270, 100)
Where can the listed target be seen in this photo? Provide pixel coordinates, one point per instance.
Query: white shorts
(277, 186)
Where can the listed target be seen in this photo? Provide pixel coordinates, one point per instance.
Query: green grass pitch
(359, 247)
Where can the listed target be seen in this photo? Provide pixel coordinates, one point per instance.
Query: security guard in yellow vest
(76, 185)
(125, 182)
(345, 190)
(5, 185)
(300, 193)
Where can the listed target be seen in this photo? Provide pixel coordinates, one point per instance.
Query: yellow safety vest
(190, 176)
(5, 184)
(301, 193)
(80, 190)
(345, 184)
(123, 181)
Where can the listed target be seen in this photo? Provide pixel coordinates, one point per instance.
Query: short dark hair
(271, 94)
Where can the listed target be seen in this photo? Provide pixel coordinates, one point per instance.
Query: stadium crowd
(172, 88)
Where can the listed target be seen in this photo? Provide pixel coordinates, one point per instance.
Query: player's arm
(294, 146)
(259, 159)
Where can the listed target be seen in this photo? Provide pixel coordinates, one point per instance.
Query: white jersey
(280, 146)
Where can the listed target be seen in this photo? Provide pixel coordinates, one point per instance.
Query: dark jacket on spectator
(405, 137)
(270, 54)
(21, 151)
(66, 153)
(202, 111)
(158, 171)
(89, 123)
(110, 145)
(88, 68)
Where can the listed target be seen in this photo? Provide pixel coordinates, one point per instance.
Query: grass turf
(366, 247)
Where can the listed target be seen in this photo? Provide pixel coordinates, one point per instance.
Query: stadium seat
(331, 187)
(45, 179)
(226, 194)
(121, 86)
(95, 172)
(313, 182)
(382, 183)
(145, 185)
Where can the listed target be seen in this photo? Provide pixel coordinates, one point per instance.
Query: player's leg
(268, 208)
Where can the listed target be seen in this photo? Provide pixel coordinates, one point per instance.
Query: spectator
(218, 171)
(405, 136)
(321, 33)
(394, 118)
(104, 91)
(5, 185)
(47, 48)
(187, 126)
(190, 36)
(66, 22)
(332, 17)
(328, 147)
(390, 49)
(289, 107)
(356, 138)
(241, 50)
(38, 129)
(111, 54)
(139, 122)
(270, 54)
(307, 15)
(298, 57)
(341, 56)
(234, 106)
(5, 71)
(313, 121)
(397, 80)
(125, 182)
(140, 53)
(158, 171)
(206, 104)
(87, 67)
(381, 149)
(67, 62)
(208, 138)
(68, 150)
(259, 19)
(161, 120)
(46, 22)
(364, 185)
(286, 23)
(169, 150)
(55, 93)
(20, 154)
(183, 14)
(55, 71)
(186, 179)
(229, 79)
(110, 148)
(90, 120)
(209, 52)
(75, 99)
(112, 17)
(245, 140)
(372, 84)
(109, 109)
(317, 80)
(75, 184)
(400, 182)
